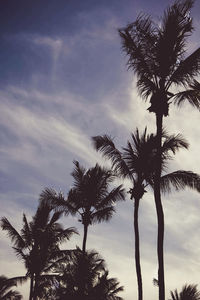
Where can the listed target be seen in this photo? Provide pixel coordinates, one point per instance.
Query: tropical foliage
(165, 75)
(156, 53)
(37, 244)
(6, 292)
(188, 292)
(137, 162)
(85, 277)
(91, 197)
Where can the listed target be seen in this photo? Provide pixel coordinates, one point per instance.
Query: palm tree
(137, 163)
(90, 196)
(156, 53)
(189, 292)
(38, 242)
(5, 289)
(84, 277)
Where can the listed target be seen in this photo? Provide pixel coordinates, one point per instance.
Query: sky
(64, 79)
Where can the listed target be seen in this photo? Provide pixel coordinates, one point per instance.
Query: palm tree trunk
(31, 287)
(85, 237)
(159, 210)
(137, 250)
(35, 288)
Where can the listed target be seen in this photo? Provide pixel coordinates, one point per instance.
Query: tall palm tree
(137, 163)
(91, 197)
(5, 289)
(156, 53)
(37, 244)
(85, 277)
(189, 292)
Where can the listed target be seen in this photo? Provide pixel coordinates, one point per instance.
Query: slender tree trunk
(137, 250)
(85, 238)
(35, 288)
(31, 287)
(159, 210)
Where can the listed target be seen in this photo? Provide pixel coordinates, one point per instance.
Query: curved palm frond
(187, 69)
(103, 214)
(173, 143)
(116, 194)
(192, 95)
(66, 234)
(174, 295)
(105, 145)
(176, 26)
(179, 180)
(78, 173)
(135, 38)
(146, 86)
(26, 232)
(12, 233)
(188, 292)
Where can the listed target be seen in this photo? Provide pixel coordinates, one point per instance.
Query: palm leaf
(12, 233)
(187, 69)
(135, 38)
(105, 145)
(104, 214)
(78, 173)
(115, 195)
(192, 95)
(66, 234)
(173, 143)
(179, 180)
(176, 26)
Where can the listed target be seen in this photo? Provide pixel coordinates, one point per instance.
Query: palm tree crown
(137, 162)
(157, 55)
(38, 242)
(85, 277)
(189, 292)
(91, 196)
(5, 289)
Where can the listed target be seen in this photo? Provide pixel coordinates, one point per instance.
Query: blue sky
(63, 79)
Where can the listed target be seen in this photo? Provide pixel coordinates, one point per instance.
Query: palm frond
(20, 254)
(74, 202)
(188, 292)
(187, 69)
(106, 146)
(26, 231)
(179, 180)
(55, 217)
(174, 295)
(116, 194)
(12, 233)
(192, 95)
(176, 26)
(66, 234)
(104, 214)
(78, 173)
(146, 86)
(48, 195)
(173, 143)
(136, 38)
(19, 279)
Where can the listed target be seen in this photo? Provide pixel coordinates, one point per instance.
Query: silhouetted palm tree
(90, 196)
(189, 292)
(137, 163)
(5, 289)
(38, 242)
(156, 54)
(84, 277)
